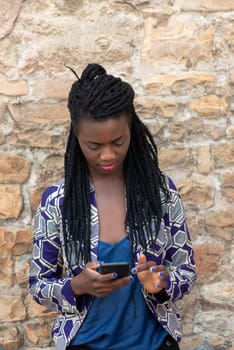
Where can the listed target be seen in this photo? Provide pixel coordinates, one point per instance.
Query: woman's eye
(119, 143)
(92, 147)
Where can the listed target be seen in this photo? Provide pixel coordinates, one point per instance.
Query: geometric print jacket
(50, 274)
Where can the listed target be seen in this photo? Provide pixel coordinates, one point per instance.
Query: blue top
(121, 320)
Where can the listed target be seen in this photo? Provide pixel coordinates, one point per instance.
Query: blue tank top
(121, 320)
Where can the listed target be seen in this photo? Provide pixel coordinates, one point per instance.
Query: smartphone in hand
(121, 268)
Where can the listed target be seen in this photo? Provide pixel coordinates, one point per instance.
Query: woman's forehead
(114, 126)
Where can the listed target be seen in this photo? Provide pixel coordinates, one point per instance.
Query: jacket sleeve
(46, 282)
(179, 258)
(178, 255)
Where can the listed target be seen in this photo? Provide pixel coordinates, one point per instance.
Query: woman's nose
(107, 154)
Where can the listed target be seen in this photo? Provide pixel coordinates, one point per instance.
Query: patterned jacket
(50, 274)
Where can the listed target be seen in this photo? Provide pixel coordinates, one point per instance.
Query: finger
(143, 264)
(92, 265)
(142, 258)
(163, 274)
(160, 285)
(106, 287)
(107, 276)
(123, 281)
(160, 269)
(143, 267)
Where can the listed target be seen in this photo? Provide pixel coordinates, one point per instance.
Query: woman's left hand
(151, 275)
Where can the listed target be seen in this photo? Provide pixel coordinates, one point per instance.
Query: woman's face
(104, 144)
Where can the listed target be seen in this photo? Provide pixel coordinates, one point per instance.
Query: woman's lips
(107, 167)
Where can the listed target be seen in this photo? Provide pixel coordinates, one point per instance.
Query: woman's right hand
(91, 282)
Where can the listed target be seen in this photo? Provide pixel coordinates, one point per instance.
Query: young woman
(114, 204)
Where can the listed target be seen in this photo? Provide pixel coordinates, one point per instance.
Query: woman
(113, 205)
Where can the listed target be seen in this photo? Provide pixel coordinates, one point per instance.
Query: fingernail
(130, 278)
(160, 273)
(114, 275)
(158, 286)
(134, 270)
(153, 269)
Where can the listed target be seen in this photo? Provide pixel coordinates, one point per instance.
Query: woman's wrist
(77, 291)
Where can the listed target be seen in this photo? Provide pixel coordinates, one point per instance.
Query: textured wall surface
(179, 57)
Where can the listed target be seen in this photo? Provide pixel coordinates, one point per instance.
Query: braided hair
(100, 96)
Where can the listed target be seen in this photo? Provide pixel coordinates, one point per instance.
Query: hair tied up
(73, 71)
(92, 72)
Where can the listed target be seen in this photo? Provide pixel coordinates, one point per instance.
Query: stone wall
(179, 57)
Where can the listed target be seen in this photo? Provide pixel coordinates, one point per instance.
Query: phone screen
(121, 268)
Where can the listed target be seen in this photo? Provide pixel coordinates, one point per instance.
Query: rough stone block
(12, 306)
(197, 191)
(170, 157)
(223, 154)
(209, 106)
(206, 6)
(37, 332)
(220, 223)
(13, 169)
(30, 115)
(228, 185)
(10, 337)
(176, 40)
(13, 88)
(15, 241)
(208, 258)
(11, 202)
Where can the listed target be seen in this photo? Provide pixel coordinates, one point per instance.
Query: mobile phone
(121, 268)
